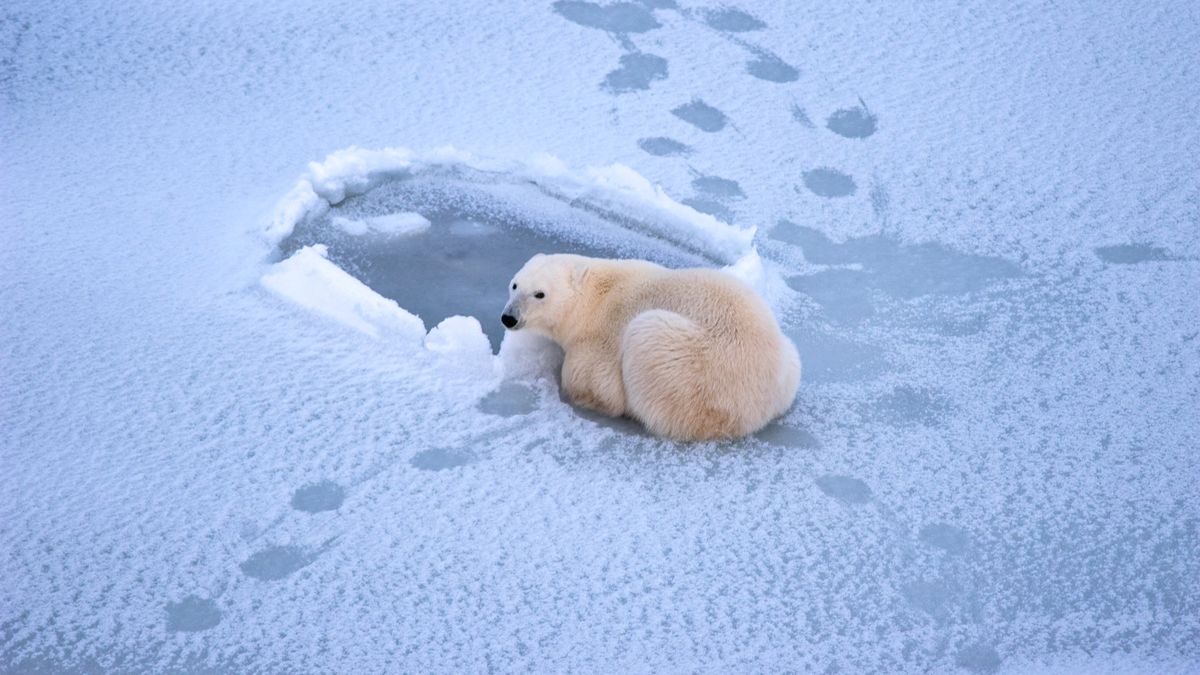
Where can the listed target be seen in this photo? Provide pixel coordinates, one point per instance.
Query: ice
(662, 146)
(512, 398)
(637, 72)
(1131, 254)
(946, 537)
(321, 496)
(769, 67)
(701, 115)
(390, 224)
(845, 489)
(788, 437)
(732, 20)
(618, 17)
(192, 614)
(276, 563)
(441, 459)
(257, 413)
(311, 281)
(857, 122)
(827, 182)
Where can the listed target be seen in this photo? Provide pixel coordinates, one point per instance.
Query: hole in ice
(619, 17)
(437, 459)
(946, 537)
(316, 497)
(276, 562)
(769, 67)
(478, 230)
(857, 122)
(731, 20)
(701, 115)
(192, 614)
(512, 398)
(978, 658)
(826, 182)
(636, 72)
(661, 146)
(845, 489)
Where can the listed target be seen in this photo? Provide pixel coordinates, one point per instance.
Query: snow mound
(309, 280)
(391, 224)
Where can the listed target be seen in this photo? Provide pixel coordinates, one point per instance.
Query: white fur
(693, 354)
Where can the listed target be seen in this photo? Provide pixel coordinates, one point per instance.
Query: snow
(312, 282)
(390, 224)
(257, 412)
(461, 342)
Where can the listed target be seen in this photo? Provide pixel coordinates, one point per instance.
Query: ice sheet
(978, 223)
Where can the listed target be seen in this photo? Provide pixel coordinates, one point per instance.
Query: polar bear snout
(511, 316)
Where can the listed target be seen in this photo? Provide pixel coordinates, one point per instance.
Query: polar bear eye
(514, 287)
(539, 295)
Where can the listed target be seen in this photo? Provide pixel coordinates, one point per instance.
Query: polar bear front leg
(592, 379)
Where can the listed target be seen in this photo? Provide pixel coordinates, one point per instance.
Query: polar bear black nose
(508, 320)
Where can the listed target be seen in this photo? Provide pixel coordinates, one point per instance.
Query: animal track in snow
(316, 497)
(661, 146)
(636, 72)
(845, 489)
(192, 614)
(701, 115)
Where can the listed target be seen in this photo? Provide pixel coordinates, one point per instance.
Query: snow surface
(235, 436)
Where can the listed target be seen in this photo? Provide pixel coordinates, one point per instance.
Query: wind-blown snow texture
(978, 222)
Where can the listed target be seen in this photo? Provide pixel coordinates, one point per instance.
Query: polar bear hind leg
(670, 383)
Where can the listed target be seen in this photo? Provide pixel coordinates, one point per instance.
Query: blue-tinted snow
(999, 473)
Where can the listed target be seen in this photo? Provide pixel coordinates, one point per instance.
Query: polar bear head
(544, 293)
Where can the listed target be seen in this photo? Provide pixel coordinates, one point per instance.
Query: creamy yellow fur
(693, 354)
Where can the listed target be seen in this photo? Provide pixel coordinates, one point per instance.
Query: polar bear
(693, 354)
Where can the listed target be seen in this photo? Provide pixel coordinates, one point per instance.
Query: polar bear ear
(579, 274)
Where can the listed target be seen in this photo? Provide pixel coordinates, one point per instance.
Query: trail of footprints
(638, 70)
(845, 295)
(935, 597)
(193, 613)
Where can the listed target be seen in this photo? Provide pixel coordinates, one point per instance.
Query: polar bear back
(702, 356)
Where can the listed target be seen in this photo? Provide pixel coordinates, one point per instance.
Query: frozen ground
(979, 222)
